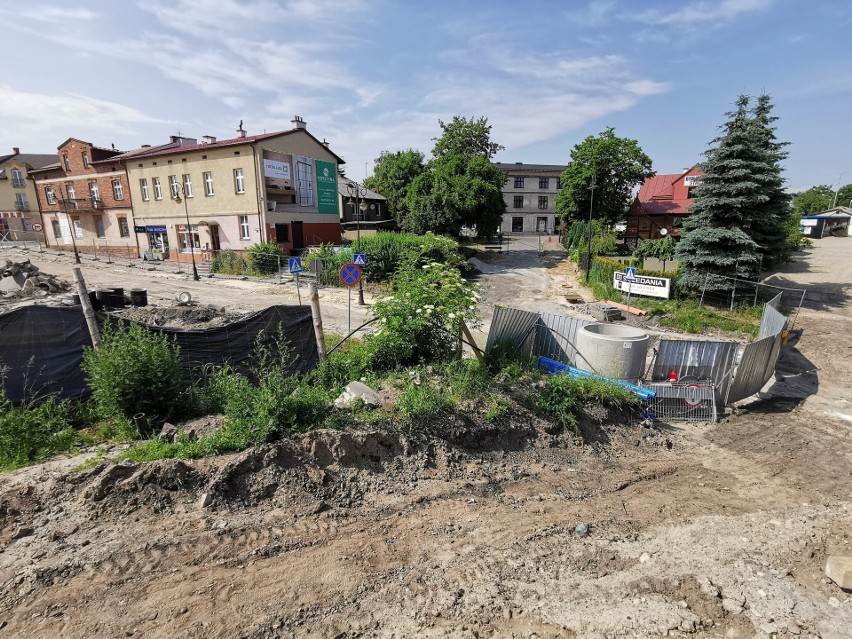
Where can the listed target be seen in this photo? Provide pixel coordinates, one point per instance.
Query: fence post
(95, 248)
(108, 258)
(129, 259)
(88, 311)
(317, 317)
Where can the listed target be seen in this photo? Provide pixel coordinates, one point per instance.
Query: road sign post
(350, 275)
(295, 264)
(629, 277)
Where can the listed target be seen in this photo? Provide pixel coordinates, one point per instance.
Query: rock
(168, 432)
(206, 500)
(839, 570)
(581, 530)
(357, 390)
(644, 558)
(22, 531)
(834, 602)
(732, 606)
(12, 283)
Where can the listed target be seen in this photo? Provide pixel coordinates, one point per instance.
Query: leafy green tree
(460, 187)
(716, 243)
(815, 200)
(662, 249)
(843, 197)
(618, 166)
(393, 174)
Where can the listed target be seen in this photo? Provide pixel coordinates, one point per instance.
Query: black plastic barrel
(116, 298)
(139, 296)
(96, 303)
(104, 297)
(75, 297)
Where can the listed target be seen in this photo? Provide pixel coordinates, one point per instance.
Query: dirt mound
(181, 316)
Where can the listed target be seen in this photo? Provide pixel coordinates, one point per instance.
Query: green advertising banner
(326, 187)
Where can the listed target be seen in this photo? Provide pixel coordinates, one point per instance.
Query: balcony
(22, 206)
(80, 204)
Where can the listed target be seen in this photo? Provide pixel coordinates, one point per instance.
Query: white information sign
(276, 169)
(643, 285)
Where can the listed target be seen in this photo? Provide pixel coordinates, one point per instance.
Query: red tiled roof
(658, 187)
(665, 207)
(212, 145)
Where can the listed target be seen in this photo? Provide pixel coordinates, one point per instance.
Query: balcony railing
(80, 204)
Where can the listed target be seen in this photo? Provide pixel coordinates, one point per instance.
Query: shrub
(135, 370)
(33, 432)
(562, 398)
(228, 262)
(264, 258)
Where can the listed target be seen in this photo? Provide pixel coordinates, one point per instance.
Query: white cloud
(49, 13)
(703, 13)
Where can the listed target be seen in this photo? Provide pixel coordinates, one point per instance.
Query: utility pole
(88, 311)
(592, 186)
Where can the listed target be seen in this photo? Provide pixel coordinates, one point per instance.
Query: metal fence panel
(556, 337)
(510, 326)
(683, 402)
(772, 322)
(698, 359)
(756, 367)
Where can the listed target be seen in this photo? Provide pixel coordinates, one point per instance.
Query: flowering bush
(422, 319)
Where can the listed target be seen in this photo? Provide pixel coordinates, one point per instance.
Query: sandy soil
(699, 530)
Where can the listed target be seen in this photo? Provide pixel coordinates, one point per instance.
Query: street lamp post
(356, 190)
(592, 186)
(180, 194)
(71, 229)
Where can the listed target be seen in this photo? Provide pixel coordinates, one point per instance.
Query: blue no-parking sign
(630, 274)
(350, 274)
(360, 259)
(295, 264)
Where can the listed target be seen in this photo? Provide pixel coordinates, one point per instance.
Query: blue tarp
(553, 367)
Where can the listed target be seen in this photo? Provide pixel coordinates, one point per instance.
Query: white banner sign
(276, 169)
(643, 285)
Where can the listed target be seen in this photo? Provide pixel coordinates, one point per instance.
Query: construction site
(718, 508)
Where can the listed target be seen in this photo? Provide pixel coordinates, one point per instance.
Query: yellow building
(19, 216)
(192, 198)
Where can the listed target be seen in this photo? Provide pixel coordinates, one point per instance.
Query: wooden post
(473, 345)
(88, 311)
(317, 315)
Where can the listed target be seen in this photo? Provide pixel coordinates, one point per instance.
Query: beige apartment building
(530, 194)
(19, 216)
(193, 198)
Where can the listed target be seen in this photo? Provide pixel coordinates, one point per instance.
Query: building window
(50, 194)
(239, 181)
(85, 161)
(542, 202)
(21, 203)
(187, 185)
(99, 225)
(143, 186)
(66, 162)
(18, 179)
(558, 184)
(57, 229)
(123, 227)
(644, 224)
(519, 201)
(173, 187)
(541, 225)
(208, 183)
(72, 198)
(517, 225)
(117, 190)
(78, 227)
(519, 181)
(95, 193)
(186, 237)
(305, 184)
(543, 183)
(158, 189)
(244, 227)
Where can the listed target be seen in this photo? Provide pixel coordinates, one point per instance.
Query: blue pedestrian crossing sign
(630, 274)
(360, 259)
(295, 264)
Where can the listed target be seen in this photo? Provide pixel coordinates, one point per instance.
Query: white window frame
(208, 183)
(143, 186)
(184, 238)
(21, 201)
(50, 194)
(57, 228)
(123, 227)
(158, 189)
(187, 185)
(245, 229)
(66, 162)
(18, 179)
(239, 181)
(94, 191)
(99, 232)
(174, 190)
(117, 190)
(85, 160)
(72, 195)
(77, 226)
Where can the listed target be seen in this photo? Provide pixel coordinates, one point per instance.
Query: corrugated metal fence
(697, 359)
(772, 322)
(756, 366)
(552, 336)
(510, 327)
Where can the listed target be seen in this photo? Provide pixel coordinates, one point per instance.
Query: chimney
(209, 139)
(298, 122)
(241, 132)
(146, 146)
(325, 143)
(16, 150)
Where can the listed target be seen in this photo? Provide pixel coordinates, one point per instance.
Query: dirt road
(701, 531)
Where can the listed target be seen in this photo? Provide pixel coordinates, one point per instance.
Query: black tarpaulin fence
(41, 347)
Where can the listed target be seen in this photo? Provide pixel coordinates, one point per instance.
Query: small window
(244, 227)
(542, 202)
(143, 186)
(174, 189)
(18, 179)
(519, 202)
(57, 229)
(208, 183)
(117, 190)
(85, 161)
(66, 162)
(123, 227)
(99, 225)
(94, 192)
(558, 184)
(50, 194)
(517, 225)
(239, 181)
(71, 196)
(187, 185)
(21, 203)
(644, 224)
(78, 227)
(188, 240)
(519, 182)
(677, 221)
(158, 189)
(543, 183)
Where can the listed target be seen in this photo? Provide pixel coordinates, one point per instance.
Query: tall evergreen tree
(769, 228)
(716, 243)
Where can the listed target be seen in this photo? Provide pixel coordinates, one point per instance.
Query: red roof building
(661, 206)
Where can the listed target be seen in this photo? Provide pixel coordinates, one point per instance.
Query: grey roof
(35, 160)
(342, 189)
(516, 167)
(837, 212)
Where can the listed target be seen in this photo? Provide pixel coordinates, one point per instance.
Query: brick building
(661, 206)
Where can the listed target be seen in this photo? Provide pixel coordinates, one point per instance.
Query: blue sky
(370, 76)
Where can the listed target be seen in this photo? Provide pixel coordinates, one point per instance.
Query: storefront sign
(326, 187)
(276, 166)
(643, 285)
(156, 229)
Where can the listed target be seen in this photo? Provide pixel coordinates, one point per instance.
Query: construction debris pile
(23, 279)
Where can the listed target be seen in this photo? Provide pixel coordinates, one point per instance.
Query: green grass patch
(690, 317)
(563, 399)
(33, 432)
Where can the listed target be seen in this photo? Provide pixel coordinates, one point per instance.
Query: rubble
(24, 279)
